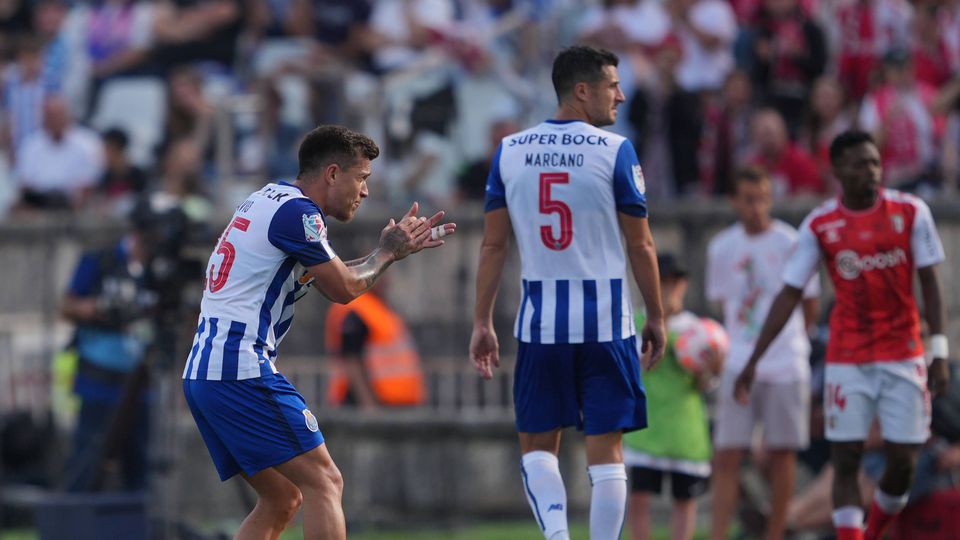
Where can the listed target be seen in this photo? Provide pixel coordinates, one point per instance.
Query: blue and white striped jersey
(255, 274)
(563, 183)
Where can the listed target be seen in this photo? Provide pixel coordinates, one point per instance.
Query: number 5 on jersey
(229, 252)
(549, 205)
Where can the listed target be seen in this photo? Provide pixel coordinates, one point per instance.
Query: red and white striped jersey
(871, 256)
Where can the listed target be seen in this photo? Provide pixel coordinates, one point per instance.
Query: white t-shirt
(74, 162)
(745, 272)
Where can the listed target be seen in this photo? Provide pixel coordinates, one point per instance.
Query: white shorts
(896, 392)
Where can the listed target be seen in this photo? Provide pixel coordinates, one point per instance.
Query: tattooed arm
(341, 281)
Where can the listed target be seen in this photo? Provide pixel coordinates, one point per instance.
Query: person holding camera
(110, 302)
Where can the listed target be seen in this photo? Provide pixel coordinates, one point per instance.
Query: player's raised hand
(432, 237)
(401, 238)
(741, 388)
(484, 350)
(653, 341)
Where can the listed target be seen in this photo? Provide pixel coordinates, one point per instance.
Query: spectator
(180, 183)
(790, 52)
(24, 90)
(668, 121)
(898, 115)
(375, 362)
(931, 57)
(725, 144)
(107, 298)
(48, 22)
(948, 104)
(744, 265)
(472, 181)
(113, 38)
(861, 33)
(16, 19)
(121, 179)
(792, 170)
(188, 31)
(828, 116)
(949, 19)
(58, 165)
(676, 442)
(707, 29)
(189, 114)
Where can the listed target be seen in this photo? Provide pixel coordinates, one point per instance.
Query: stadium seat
(137, 106)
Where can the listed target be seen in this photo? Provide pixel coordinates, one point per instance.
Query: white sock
(608, 500)
(545, 492)
(891, 504)
(848, 517)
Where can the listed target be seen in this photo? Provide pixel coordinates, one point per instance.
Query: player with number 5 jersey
(571, 192)
(272, 252)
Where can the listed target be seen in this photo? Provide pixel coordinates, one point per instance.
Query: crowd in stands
(101, 101)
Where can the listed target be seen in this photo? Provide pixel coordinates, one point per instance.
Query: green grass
(501, 531)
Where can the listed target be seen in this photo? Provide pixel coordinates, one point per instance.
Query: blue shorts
(593, 386)
(252, 424)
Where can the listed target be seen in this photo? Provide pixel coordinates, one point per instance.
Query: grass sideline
(500, 531)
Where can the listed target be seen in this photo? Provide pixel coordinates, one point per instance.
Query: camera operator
(112, 303)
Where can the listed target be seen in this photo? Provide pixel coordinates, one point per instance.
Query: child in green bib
(676, 442)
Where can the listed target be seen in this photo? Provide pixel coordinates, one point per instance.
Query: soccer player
(744, 267)
(568, 191)
(252, 420)
(872, 240)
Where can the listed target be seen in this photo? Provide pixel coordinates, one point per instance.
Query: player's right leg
(733, 434)
(849, 409)
(278, 501)
(545, 402)
(785, 409)
(904, 410)
(322, 486)
(612, 397)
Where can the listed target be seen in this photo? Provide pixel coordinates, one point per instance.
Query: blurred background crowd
(184, 99)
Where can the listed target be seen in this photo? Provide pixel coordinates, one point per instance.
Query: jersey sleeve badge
(313, 228)
(638, 179)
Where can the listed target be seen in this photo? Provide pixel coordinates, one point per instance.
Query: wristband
(938, 346)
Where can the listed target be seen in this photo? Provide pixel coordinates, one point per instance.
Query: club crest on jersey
(638, 179)
(897, 221)
(311, 420)
(313, 228)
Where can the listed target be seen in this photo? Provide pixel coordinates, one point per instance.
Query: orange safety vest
(389, 357)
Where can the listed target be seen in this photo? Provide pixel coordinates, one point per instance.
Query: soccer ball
(693, 343)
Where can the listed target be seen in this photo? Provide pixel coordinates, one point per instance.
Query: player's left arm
(927, 253)
(938, 373)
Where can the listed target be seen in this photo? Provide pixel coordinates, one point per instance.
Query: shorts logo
(311, 420)
(850, 265)
(313, 229)
(638, 179)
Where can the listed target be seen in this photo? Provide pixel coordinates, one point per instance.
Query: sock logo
(555, 506)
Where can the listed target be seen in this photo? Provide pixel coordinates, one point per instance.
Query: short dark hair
(750, 174)
(577, 64)
(334, 144)
(848, 139)
(116, 137)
